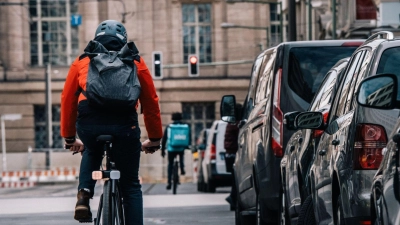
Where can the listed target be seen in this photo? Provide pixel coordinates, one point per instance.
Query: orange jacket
(76, 80)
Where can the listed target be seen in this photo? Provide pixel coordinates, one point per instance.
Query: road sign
(76, 20)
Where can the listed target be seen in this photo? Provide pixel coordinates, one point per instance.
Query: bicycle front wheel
(107, 213)
(175, 178)
(119, 212)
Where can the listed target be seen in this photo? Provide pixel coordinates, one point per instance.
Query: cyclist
(174, 151)
(231, 146)
(77, 116)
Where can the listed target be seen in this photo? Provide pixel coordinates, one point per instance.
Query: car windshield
(308, 66)
(389, 63)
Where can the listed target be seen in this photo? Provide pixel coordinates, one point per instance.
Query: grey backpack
(112, 80)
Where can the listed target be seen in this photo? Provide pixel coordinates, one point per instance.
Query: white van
(213, 165)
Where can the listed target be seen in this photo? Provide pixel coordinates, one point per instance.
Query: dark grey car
(350, 150)
(299, 152)
(380, 92)
(284, 79)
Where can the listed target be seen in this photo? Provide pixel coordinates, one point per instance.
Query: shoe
(168, 186)
(82, 208)
(183, 172)
(230, 201)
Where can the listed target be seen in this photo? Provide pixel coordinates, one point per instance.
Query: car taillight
(352, 44)
(277, 118)
(318, 133)
(202, 154)
(369, 142)
(213, 152)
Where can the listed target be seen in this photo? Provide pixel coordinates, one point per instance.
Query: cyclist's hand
(75, 147)
(149, 147)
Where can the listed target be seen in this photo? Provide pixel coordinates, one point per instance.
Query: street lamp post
(4, 117)
(232, 25)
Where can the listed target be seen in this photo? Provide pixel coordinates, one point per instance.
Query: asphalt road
(53, 204)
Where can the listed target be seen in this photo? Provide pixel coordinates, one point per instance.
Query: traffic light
(157, 65)
(193, 65)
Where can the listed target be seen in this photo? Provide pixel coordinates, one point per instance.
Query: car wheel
(237, 213)
(338, 217)
(284, 219)
(378, 211)
(259, 214)
(210, 186)
(306, 215)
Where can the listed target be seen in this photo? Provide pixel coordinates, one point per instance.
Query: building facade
(47, 35)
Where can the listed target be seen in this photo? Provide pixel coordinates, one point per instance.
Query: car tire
(306, 215)
(210, 187)
(284, 216)
(338, 216)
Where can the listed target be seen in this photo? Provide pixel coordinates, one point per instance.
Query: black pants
(171, 157)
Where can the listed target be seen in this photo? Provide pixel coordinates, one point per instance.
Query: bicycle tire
(107, 213)
(175, 178)
(119, 211)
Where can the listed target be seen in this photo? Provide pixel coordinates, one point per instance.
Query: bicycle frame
(111, 176)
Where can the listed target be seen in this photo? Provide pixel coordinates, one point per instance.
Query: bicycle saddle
(105, 138)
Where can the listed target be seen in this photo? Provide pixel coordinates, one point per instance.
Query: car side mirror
(289, 119)
(379, 91)
(309, 120)
(227, 109)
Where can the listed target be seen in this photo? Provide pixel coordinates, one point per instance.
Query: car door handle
(258, 126)
(322, 152)
(335, 142)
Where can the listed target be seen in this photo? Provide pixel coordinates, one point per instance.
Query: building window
(198, 115)
(196, 31)
(53, 39)
(40, 127)
(276, 31)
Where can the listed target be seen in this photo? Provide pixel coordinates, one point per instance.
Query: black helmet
(176, 116)
(112, 28)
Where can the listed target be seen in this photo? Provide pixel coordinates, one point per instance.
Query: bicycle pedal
(86, 220)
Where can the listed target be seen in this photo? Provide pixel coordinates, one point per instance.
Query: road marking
(67, 204)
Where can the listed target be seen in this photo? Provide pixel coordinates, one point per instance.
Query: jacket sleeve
(69, 102)
(164, 139)
(149, 102)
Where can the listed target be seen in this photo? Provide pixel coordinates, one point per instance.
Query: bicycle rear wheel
(175, 178)
(119, 211)
(107, 213)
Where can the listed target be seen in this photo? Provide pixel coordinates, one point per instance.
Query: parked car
(350, 149)
(382, 92)
(300, 149)
(283, 79)
(213, 163)
(201, 144)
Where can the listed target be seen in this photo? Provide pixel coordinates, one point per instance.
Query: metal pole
(3, 144)
(48, 115)
(292, 20)
(281, 20)
(267, 39)
(309, 10)
(333, 19)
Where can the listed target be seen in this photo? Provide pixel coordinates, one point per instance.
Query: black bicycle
(110, 209)
(175, 174)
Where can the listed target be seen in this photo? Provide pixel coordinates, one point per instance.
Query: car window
(338, 106)
(254, 78)
(358, 76)
(389, 63)
(322, 96)
(265, 76)
(262, 78)
(309, 65)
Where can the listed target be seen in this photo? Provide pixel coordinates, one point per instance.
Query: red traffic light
(193, 59)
